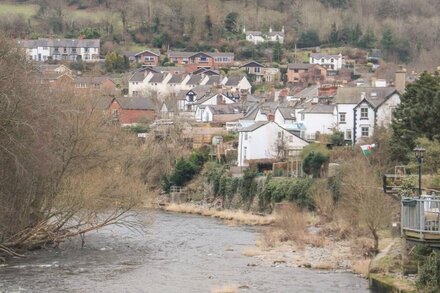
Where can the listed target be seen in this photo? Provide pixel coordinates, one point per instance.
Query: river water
(175, 253)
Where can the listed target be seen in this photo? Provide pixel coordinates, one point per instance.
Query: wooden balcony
(420, 219)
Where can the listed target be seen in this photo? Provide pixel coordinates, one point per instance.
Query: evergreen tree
(277, 52)
(368, 41)
(208, 25)
(388, 41)
(231, 22)
(417, 115)
(355, 35)
(334, 35)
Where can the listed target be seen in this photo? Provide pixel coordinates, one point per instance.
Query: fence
(420, 218)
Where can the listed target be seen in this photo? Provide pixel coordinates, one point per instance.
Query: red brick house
(148, 57)
(102, 84)
(196, 60)
(132, 110)
(306, 73)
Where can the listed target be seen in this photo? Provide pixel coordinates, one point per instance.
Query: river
(175, 253)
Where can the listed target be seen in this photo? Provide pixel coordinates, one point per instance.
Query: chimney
(400, 82)
(271, 117)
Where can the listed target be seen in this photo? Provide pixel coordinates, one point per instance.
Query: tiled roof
(157, 78)
(195, 79)
(353, 95)
(325, 56)
(233, 80)
(299, 65)
(67, 43)
(136, 103)
(138, 76)
(254, 126)
(320, 109)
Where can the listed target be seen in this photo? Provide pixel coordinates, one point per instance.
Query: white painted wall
(261, 143)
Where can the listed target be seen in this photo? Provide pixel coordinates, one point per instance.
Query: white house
(360, 110)
(262, 141)
(87, 50)
(320, 118)
(238, 84)
(210, 100)
(330, 62)
(222, 113)
(258, 37)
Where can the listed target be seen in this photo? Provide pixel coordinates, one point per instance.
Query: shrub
(313, 163)
(429, 273)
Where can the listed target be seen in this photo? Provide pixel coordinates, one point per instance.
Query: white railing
(421, 215)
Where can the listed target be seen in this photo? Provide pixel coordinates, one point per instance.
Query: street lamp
(420, 152)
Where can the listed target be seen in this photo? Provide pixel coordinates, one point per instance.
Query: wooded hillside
(408, 31)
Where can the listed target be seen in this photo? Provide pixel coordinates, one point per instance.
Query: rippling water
(176, 253)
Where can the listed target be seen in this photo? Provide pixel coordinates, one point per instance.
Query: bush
(313, 162)
(293, 190)
(429, 273)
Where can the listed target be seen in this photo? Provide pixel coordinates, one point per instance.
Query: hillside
(407, 31)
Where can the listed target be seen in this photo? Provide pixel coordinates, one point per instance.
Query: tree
(388, 41)
(277, 52)
(116, 63)
(368, 41)
(208, 25)
(363, 203)
(417, 115)
(355, 35)
(90, 33)
(309, 38)
(334, 35)
(231, 22)
(313, 162)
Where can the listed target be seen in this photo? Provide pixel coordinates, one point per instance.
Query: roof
(320, 109)
(92, 79)
(225, 109)
(252, 64)
(254, 126)
(325, 56)
(287, 112)
(136, 103)
(220, 54)
(200, 90)
(354, 95)
(157, 78)
(170, 69)
(195, 79)
(233, 80)
(274, 33)
(138, 76)
(308, 92)
(214, 79)
(177, 78)
(147, 51)
(68, 43)
(254, 33)
(299, 65)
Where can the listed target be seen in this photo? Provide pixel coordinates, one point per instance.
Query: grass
(27, 10)
(229, 215)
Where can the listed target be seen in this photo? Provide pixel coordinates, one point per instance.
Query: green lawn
(27, 10)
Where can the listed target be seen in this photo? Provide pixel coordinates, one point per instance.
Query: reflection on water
(177, 253)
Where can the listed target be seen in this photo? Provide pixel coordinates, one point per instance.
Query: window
(342, 118)
(115, 114)
(280, 134)
(365, 131)
(149, 58)
(86, 50)
(296, 70)
(348, 134)
(244, 153)
(45, 48)
(135, 93)
(302, 116)
(332, 60)
(203, 59)
(246, 136)
(364, 113)
(291, 138)
(257, 69)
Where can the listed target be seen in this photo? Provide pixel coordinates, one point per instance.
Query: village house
(41, 50)
(220, 114)
(131, 111)
(360, 110)
(101, 84)
(318, 118)
(148, 58)
(258, 37)
(238, 84)
(330, 62)
(187, 99)
(306, 73)
(212, 100)
(259, 73)
(267, 142)
(195, 60)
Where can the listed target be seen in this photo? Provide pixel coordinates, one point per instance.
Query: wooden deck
(420, 220)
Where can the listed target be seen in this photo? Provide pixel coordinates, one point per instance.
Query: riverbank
(314, 250)
(235, 216)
